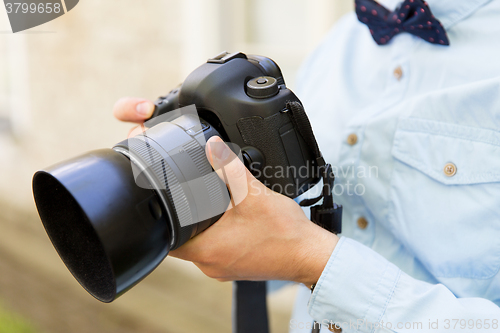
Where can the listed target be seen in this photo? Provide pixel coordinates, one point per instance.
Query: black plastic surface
(224, 57)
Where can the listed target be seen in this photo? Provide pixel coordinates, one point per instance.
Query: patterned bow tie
(413, 16)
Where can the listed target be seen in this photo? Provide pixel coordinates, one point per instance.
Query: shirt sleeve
(361, 291)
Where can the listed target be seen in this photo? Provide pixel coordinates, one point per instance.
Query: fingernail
(145, 109)
(220, 150)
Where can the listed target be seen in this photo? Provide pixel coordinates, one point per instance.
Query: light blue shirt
(429, 257)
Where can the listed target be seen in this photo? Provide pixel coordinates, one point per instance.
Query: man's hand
(136, 110)
(265, 236)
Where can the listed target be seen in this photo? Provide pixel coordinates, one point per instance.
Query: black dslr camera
(244, 98)
(114, 214)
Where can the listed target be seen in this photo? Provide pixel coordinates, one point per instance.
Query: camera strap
(328, 214)
(250, 307)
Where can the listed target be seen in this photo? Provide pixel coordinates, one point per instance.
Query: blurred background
(58, 83)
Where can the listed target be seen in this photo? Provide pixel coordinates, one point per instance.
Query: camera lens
(114, 214)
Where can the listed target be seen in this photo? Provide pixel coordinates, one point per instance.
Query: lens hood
(108, 231)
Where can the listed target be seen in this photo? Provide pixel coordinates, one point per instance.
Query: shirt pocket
(450, 222)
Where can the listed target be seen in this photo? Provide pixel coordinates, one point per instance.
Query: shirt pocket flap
(429, 146)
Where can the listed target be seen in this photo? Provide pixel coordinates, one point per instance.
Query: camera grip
(288, 163)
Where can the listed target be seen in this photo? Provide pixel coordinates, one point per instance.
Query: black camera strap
(250, 307)
(328, 214)
(249, 298)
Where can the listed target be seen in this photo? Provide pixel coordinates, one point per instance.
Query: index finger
(133, 109)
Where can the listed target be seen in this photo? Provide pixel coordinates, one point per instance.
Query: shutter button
(263, 87)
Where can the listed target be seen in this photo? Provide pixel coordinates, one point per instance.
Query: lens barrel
(172, 157)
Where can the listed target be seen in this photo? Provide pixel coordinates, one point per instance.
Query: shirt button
(450, 170)
(398, 73)
(362, 223)
(335, 328)
(352, 139)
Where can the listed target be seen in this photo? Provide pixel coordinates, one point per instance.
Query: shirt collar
(448, 12)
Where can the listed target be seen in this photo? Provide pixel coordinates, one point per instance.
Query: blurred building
(58, 83)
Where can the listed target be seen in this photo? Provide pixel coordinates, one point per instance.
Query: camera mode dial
(263, 87)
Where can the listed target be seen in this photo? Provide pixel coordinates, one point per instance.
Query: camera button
(262, 87)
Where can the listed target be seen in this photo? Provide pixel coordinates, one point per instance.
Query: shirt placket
(358, 221)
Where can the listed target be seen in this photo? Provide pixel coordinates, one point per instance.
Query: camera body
(245, 99)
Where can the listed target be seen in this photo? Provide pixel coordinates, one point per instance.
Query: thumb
(229, 168)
